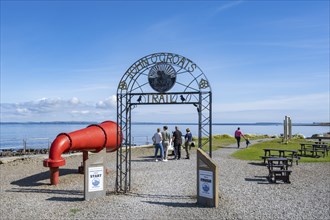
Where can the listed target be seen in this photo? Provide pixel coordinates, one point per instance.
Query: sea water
(41, 135)
(33, 135)
(141, 134)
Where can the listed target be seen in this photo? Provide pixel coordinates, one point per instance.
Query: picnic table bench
(314, 149)
(278, 169)
(291, 155)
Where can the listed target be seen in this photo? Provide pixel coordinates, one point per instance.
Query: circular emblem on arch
(162, 77)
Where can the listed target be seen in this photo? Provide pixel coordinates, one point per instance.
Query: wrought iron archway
(160, 78)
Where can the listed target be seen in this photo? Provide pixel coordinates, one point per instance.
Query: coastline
(39, 135)
(172, 123)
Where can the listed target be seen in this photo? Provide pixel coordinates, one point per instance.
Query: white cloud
(82, 112)
(304, 108)
(228, 5)
(75, 101)
(57, 109)
(302, 102)
(110, 102)
(22, 110)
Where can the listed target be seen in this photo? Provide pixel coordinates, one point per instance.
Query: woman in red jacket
(238, 135)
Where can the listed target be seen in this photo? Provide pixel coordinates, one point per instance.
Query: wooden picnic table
(284, 153)
(320, 138)
(278, 169)
(314, 149)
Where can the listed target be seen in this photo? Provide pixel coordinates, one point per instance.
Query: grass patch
(73, 211)
(252, 152)
(218, 141)
(255, 151)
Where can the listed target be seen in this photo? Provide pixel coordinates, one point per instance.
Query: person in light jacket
(157, 139)
(166, 136)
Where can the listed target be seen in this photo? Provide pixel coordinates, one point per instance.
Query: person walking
(187, 143)
(238, 135)
(177, 135)
(166, 136)
(157, 139)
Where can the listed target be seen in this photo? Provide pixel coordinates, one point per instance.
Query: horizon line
(172, 123)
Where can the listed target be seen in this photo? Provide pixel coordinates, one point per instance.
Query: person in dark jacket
(177, 140)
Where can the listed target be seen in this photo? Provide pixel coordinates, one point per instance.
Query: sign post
(94, 186)
(207, 180)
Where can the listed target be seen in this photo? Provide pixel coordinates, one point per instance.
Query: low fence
(141, 140)
(40, 145)
(17, 147)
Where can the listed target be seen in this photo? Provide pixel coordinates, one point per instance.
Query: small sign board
(207, 180)
(205, 183)
(95, 178)
(94, 171)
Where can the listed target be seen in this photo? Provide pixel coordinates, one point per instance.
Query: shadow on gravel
(34, 179)
(258, 179)
(144, 159)
(149, 159)
(257, 164)
(47, 191)
(174, 204)
(158, 196)
(66, 199)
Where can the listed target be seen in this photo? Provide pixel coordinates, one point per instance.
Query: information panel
(206, 184)
(95, 179)
(207, 180)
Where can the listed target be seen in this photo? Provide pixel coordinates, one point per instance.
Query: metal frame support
(189, 86)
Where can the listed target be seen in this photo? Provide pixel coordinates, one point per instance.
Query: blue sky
(63, 60)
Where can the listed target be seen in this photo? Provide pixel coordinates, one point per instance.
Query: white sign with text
(95, 179)
(206, 183)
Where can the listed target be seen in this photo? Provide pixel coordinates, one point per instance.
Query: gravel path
(165, 190)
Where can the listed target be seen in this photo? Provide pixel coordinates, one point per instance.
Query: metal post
(200, 121)
(128, 186)
(210, 125)
(119, 123)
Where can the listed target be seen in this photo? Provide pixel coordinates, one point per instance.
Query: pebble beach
(163, 190)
